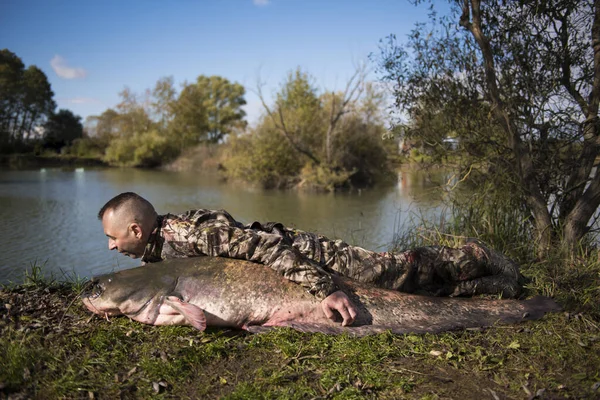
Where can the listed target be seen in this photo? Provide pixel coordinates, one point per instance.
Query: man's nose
(111, 244)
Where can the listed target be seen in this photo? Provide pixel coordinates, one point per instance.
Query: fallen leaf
(514, 345)
(163, 356)
(494, 395)
(131, 372)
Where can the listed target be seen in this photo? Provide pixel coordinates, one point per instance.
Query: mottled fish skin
(245, 295)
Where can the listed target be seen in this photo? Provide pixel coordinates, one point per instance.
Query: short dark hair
(121, 199)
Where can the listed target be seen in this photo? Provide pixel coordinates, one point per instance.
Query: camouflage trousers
(435, 270)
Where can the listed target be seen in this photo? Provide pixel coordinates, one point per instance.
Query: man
(135, 229)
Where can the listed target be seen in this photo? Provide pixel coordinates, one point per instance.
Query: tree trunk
(524, 165)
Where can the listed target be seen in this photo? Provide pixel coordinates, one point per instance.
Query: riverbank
(31, 161)
(51, 347)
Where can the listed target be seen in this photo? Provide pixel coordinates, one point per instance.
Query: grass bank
(52, 347)
(32, 161)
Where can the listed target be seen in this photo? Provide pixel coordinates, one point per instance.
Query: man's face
(124, 236)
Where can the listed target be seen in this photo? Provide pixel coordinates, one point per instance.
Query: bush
(263, 158)
(86, 148)
(148, 149)
(359, 151)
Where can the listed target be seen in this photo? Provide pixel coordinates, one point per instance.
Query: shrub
(262, 158)
(148, 149)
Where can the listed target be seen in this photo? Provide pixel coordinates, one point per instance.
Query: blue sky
(91, 50)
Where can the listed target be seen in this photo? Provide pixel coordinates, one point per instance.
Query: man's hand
(341, 303)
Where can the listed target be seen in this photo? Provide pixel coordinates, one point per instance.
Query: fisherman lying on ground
(135, 229)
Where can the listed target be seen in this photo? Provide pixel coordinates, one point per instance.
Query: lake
(50, 215)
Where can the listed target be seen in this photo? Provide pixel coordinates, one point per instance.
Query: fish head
(100, 301)
(126, 292)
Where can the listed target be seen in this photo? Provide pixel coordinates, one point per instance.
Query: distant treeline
(321, 139)
(28, 121)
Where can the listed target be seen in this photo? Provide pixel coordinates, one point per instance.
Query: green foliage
(323, 141)
(26, 100)
(262, 158)
(152, 149)
(62, 129)
(299, 106)
(134, 139)
(207, 111)
(320, 178)
(151, 130)
(476, 206)
(514, 82)
(147, 149)
(120, 152)
(103, 127)
(86, 147)
(222, 102)
(358, 149)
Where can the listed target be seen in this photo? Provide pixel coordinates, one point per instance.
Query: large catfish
(211, 291)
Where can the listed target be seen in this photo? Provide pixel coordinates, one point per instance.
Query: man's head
(128, 220)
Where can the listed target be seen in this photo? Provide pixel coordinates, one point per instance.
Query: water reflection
(49, 215)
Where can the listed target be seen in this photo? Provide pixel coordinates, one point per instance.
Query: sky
(91, 50)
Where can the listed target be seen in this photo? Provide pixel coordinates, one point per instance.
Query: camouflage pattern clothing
(309, 259)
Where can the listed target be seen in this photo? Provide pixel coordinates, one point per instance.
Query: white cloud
(261, 3)
(59, 65)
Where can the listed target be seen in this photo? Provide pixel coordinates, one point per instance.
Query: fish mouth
(94, 290)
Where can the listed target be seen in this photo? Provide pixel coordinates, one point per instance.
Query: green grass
(87, 356)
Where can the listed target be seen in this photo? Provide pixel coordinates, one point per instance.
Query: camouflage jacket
(309, 259)
(215, 233)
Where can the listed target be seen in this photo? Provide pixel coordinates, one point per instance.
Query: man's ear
(136, 229)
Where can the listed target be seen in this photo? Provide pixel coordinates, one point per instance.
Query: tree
(11, 78)
(222, 103)
(208, 110)
(521, 80)
(26, 99)
(163, 99)
(37, 102)
(103, 127)
(314, 140)
(62, 129)
(189, 124)
(297, 114)
(133, 115)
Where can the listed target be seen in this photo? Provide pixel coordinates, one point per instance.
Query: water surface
(49, 216)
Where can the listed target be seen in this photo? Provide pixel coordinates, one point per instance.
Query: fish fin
(193, 314)
(537, 306)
